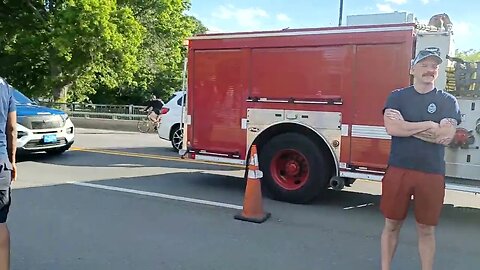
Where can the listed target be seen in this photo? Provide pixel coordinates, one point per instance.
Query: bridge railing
(102, 111)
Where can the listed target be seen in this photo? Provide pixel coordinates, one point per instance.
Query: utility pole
(341, 13)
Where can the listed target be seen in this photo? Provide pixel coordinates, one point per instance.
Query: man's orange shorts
(428, 191)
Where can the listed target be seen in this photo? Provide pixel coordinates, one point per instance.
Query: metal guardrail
(113, 116)
(100, 111)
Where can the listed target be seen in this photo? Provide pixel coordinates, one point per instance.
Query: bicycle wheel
(144, 125)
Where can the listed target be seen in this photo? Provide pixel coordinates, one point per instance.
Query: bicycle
(146, 124)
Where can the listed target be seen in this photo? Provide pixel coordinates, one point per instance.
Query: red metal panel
(218, 100)
(360, 67)
(370, 153)
(301, 73)
(379, 70)
(190, 82)
(305, 40)
(345, 149)
(309, 29)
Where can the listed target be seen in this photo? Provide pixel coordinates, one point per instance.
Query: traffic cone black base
(254, 220)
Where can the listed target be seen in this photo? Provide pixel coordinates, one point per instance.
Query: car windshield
(21, 98)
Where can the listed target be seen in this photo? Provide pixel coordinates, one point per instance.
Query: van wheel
(294, 168)
(177, 138)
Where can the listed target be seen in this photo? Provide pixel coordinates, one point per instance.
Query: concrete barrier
(121, 125)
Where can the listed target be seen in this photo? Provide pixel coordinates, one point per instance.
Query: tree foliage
(97, 49)
(469, 56)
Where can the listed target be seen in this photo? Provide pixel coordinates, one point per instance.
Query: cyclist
(154, 105)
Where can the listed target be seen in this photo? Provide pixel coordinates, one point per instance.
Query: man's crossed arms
(428, 131)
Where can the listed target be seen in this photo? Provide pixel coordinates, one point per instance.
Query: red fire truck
(311, 100)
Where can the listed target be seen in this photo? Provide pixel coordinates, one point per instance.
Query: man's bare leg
(4, 247)
(390, 234)
(426, 245)
(152, 117)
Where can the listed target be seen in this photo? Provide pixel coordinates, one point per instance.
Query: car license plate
(51, 138)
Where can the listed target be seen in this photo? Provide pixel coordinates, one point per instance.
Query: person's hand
(445, 141)
(393, 114)
(433, 130)
(14, 171)
(448, 127)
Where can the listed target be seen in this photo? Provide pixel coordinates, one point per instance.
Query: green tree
(121, 49)
(163, 53)
(199, 28)
(57, 46)
(469, 55)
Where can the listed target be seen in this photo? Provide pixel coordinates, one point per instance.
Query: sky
(254, 15)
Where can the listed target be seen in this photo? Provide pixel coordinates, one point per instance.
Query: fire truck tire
(294, 168)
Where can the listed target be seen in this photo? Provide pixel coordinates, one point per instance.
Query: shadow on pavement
(75, 227)
(229, 189)
(223, 188)
(90, 159)
(164, 151)
(363, 202)
(106, 132)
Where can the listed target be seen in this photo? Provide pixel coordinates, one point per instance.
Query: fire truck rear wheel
(295, 170)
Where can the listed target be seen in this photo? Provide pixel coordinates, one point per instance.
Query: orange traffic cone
(252, 204)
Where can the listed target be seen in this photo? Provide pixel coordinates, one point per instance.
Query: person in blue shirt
(8, 168)
(421, 120)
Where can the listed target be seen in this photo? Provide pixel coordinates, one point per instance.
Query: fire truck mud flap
(295, 169)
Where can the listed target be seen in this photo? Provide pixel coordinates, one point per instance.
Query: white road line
(159, 195)
(358, 206)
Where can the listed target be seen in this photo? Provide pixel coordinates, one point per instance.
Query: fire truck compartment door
(218, 101)
(379, 69)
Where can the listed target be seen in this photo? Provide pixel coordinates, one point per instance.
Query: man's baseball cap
(428, 52)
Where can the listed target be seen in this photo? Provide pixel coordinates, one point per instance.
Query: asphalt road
(123, 200)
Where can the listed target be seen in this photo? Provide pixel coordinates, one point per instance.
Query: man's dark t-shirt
(413, 153)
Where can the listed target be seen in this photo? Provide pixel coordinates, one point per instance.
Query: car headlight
(64, 117)
(22, 120)
(21, 134)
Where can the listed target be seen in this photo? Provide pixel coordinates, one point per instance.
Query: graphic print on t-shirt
(432, 108)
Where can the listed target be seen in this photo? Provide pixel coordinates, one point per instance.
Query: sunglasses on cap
(429, 51)
(424, 53)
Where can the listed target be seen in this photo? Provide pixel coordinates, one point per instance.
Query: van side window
(180, 100)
